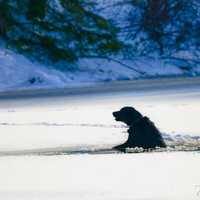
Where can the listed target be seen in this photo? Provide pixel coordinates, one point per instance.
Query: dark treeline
(71, 29)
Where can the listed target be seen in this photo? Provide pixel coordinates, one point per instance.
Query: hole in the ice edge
(174, 143)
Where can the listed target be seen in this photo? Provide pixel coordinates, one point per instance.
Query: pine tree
(164, 26)
(57, 29)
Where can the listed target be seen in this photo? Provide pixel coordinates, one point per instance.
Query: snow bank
(18, 72)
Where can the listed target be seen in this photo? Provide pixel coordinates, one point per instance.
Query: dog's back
(144, 133)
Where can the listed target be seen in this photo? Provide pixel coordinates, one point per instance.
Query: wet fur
(142, 132)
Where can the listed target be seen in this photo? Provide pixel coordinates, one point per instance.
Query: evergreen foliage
(165, 26)
(60, 29)
(70, 29)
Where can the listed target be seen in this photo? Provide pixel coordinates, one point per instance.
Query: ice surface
(158, 176)
(87, 121)
(58, 124)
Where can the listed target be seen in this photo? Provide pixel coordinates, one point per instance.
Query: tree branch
(117, 61)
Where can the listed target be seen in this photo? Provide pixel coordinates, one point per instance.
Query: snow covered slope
(18, 72)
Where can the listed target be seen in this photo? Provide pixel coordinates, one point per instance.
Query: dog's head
(128, 115)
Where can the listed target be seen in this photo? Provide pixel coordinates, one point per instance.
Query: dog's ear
(130, 115)
(136, 115)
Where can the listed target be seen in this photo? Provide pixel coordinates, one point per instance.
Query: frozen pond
(86, 120)
(59, 123)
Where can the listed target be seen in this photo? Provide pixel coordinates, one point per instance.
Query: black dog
(142, 132)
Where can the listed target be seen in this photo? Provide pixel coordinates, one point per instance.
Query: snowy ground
(17, 72)
(59, 123)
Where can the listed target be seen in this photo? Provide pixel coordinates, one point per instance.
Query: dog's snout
(115, 114)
